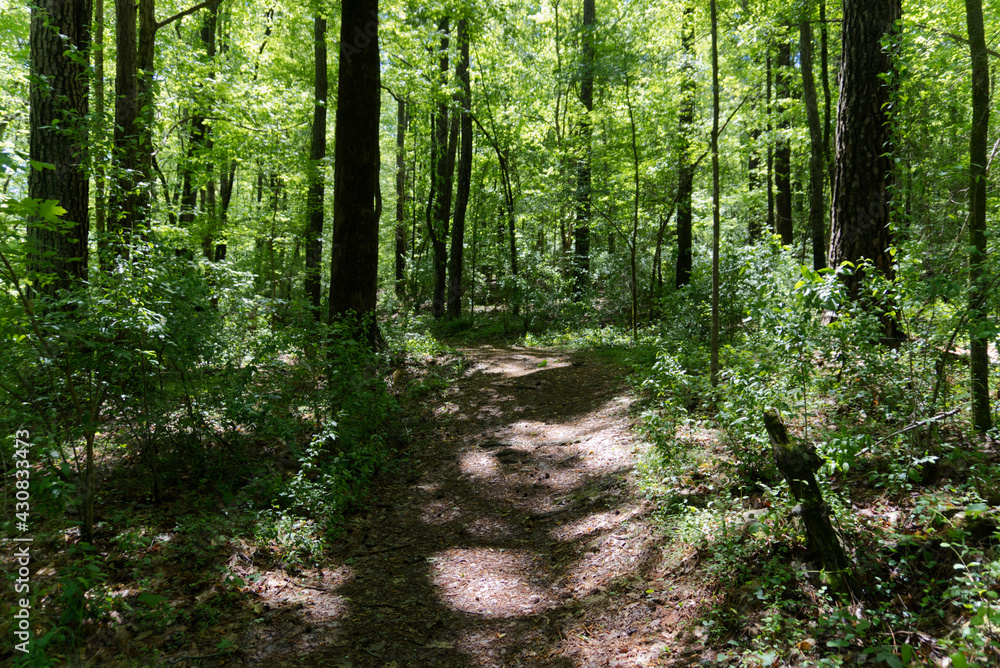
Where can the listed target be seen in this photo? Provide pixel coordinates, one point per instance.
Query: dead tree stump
(798, 463)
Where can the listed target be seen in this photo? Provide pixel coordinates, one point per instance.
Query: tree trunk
(464, 176)
(783, 152)
(824, 57)
(99, 136)
(982, 418)
(798, 464)
(125, 201)
(863, 174)
(685, 167)
(58, 101)
(226, 183)
(581, 234)
(769, 89)
(135, 31)
(716, 223)
(401, 123)
(444, 146)
(313, 237)
(216, 215)
(817, 161)
(753, 183)
(354, 266)
(633, 240)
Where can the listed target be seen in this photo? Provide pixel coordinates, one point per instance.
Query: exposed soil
(517, 539)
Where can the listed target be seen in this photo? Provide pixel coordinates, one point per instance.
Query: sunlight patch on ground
(511, 364)
(478, 464)
(592, 524)
(491, 583)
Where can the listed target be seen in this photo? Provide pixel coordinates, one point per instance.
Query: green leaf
(50, 210)
(958, 660)
(151, 600)
(36, 164)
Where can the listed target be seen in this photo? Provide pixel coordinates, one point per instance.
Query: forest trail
(519, 539)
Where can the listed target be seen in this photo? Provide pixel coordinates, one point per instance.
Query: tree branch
(954, 36)
(175, 17)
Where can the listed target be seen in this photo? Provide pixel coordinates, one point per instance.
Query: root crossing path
(516, 538)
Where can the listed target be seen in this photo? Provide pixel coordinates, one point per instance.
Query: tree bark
(581, 233)
(445, 145)
(824, 58)
(861, 203)
(982, 418)
(798, 464)
(685, 166)
(817, 161)
(313, 237)
(215, 213)
(753, 183)
(716, 223)
(135, 31)
(633, 239)
(464, 176)
(783, 152)
(400, 253)
(354, 266)
(99, 136)
(769, 90)
(58, 100)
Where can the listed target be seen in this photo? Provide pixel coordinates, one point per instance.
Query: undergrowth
(236, 431)
(911, 490)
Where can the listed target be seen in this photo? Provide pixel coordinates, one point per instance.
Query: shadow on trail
(517, 524)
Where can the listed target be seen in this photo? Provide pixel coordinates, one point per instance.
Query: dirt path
(518, 540)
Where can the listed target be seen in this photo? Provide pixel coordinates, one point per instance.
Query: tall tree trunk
(354, 266)
(824, 57)
(127, 203)
(128, 207)
(861, 203)
(227, 182)
(685, 166)
(753, 182)
(783, 151)
(633, 239)
(817, 161)
(982, 418)
(313, 237)
(464, 176)
(58, 101)
(770, 145)
(100, 132)
(215, 216)
(581, 235)
(198, 140)
(716, 224)
(401, 123)
(445, 146)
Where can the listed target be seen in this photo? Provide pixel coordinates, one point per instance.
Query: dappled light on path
(519, 540)
(491, 582)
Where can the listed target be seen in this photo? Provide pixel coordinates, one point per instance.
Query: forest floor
(517, 537)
